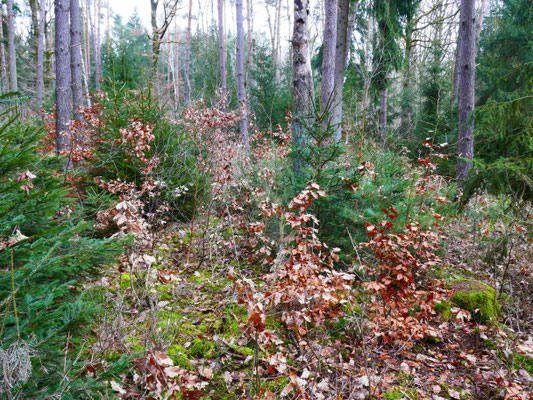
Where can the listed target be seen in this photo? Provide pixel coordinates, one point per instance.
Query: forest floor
(178, 316)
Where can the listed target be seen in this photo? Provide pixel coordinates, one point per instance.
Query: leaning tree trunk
(187, 65)
(222, 47)
(467, 74)
(328, 98)
(75, 59)
(62, 47)
(302, 79)
(40, 53)
(13, 84)
(240, 78)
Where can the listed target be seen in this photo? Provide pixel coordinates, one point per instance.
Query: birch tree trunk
(75, 59)
(13, 84)
(40, 53)
(302, 91)
(62, 47)
(186, 67)
(222, 47)
(240, 78)
(467, 74)
(328, 98)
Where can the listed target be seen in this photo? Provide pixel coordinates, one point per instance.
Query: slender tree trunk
(34, 8)
(40, 53)
(345, 25)
(328, 98)
(383, 114)
(186, 67)
(302, 92)
(62, 47)
(240, 78)
(97, 48)
(250, 39)
(3, 64)
(75, 59)
(176, 75)
(467, 67)
(13, 84)
(222, 47)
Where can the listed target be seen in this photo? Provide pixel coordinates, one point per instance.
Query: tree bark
(40, 54)
(250, 38)
(302, 91)
(345, 25)
(383, 115)
(62, 47)
(75, 59)
(97, 49)
(3, 64)
(467, 74)
(13, 84)
(328, 98)
(240, 77)
(222, 47)
(186, 67)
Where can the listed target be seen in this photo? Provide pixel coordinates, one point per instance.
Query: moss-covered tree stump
(478, 298)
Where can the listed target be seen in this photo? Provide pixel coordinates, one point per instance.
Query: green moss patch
(478, 298)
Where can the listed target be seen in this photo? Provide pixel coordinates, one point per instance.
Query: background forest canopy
(192, 194)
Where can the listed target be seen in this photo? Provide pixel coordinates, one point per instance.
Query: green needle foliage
(46, 252)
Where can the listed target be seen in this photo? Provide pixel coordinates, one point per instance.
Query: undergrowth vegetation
(226, 276)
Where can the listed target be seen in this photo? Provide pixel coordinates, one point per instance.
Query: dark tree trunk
(467, 74)
(240, 78)
(302, 91)
(13, 84)
(62, 47)
(75, 59)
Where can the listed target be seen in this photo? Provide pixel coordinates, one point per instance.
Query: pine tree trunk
(187, 65)
(467, 74)
(222, 47)
(13, 84)
(62, 47)
(97, 50)
(75, 59)
(302, 92)
(383, 115)
(40, 53)
(175, 72)
(240, 78)
(345, 25)
(249, 21)
(3, 64)
(328, 98)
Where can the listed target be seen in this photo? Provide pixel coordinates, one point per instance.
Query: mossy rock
(478, 298)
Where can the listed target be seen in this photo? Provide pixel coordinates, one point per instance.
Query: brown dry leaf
(162, 359)
(454, 394)
(287, 389)
(206, 373)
